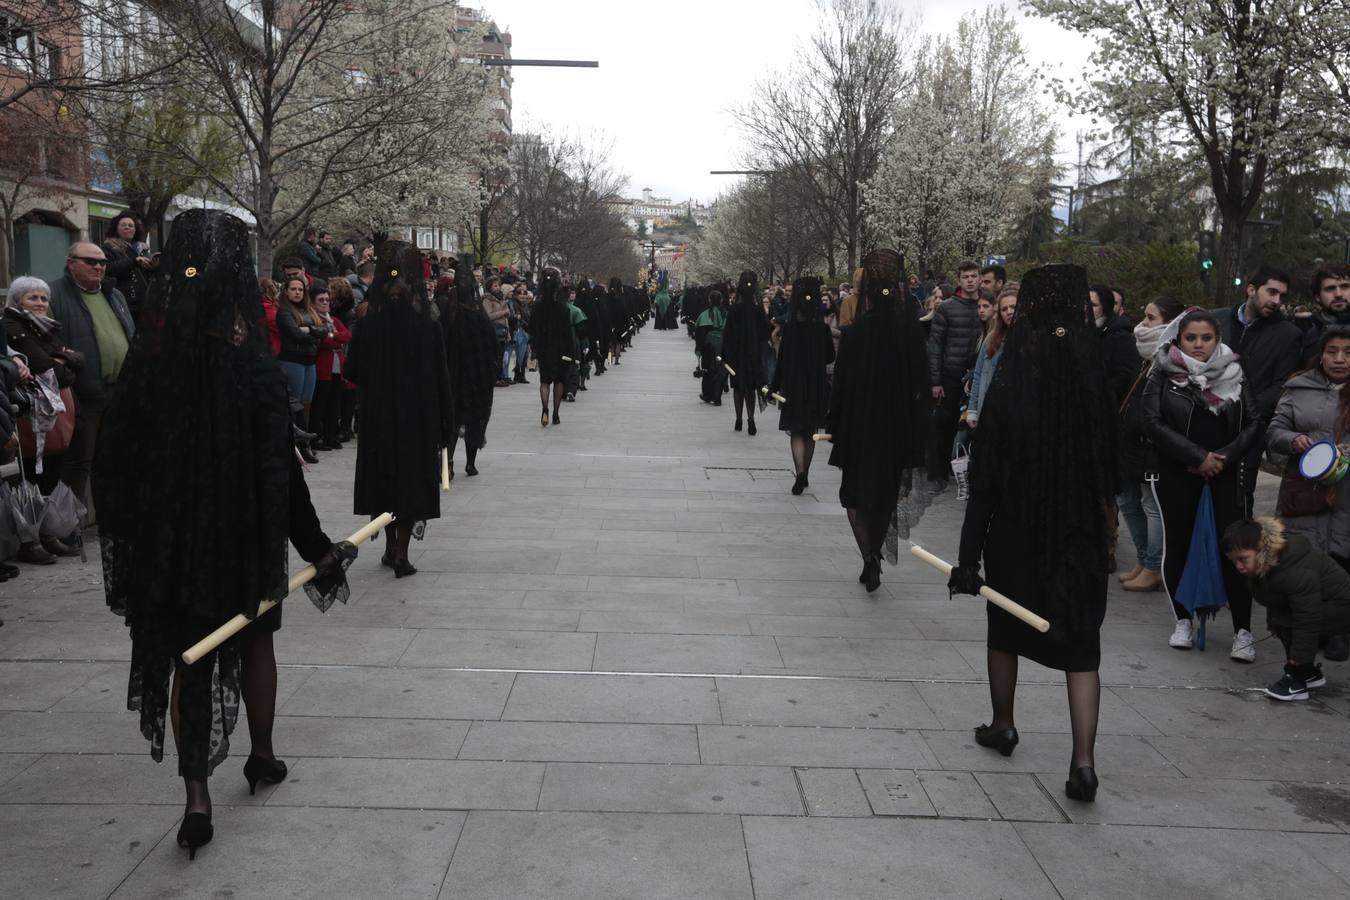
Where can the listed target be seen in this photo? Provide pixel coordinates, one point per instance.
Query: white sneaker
(1244, 647)
(1182, 637)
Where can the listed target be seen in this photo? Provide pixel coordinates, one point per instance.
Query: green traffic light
(1237, 282)
(1206, 264)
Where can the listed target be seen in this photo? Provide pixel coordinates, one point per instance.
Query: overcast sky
(671, 74)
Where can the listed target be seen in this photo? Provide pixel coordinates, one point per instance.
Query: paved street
(633, 665)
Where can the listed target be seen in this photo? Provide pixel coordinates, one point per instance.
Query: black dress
(743, 342)
(552, 338)
(805, 350)
(397, 360)
(471, 345)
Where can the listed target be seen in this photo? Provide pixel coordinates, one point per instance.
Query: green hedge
(1140, 272)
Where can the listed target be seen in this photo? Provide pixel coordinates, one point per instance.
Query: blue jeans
(522, 348)
(1139, 509)
(301, 378)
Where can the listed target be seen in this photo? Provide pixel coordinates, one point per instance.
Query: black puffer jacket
(1119, 357)
(1269, 350)
(1301, 588)
(952, 336)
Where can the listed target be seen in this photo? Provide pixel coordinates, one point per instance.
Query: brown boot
(1148, 580)
(1130, 575)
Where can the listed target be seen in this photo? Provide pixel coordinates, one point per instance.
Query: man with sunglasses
(96, 321)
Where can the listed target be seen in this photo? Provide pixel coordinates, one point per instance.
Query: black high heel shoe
(268, 771)
(738, 425)
(800, 485)
(751, 428)
(1004, 740)
(196, 831)
(1082, 784)
(403, 568)
(556, 420)
(871, 575)
(543, 417)
(387, 561)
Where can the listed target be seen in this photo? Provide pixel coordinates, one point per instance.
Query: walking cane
(298, 580)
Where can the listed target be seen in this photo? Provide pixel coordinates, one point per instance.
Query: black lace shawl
(191, 480)
(1044, 464)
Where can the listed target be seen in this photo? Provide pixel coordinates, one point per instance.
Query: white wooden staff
(1001, 601)
(445, 470)
(568, 359)
(298, 580)
(822, 436)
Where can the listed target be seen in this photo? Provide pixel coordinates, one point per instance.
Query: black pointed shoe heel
(196, 831)
(268, 771)
(1082, 784)
(1003, 740)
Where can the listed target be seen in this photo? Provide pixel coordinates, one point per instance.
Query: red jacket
(337, 343)
(270, 320)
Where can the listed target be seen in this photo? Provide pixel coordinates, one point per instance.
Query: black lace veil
(191, 478)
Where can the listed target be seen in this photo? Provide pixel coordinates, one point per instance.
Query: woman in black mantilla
(471, 351)
(1045, 470)
(397, 359)
(743, 343)
(806, 349)
(552, 338)
(198, 488)
(878, 416)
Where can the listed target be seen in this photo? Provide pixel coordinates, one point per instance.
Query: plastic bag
(26, 506)
(64, 513)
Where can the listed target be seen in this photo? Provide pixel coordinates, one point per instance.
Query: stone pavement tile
(833, 792)
(581, 742)
(103, 639)
(500, 649)
(957, 795)
(400, 694)
(1219, 714)
(107, 690)
(1050, 753)
(841, 587)
(525, 541)
(11, 764)
(457, 616)
(818, 655)
(328, 853)
(679, 587)
(769, 569)
(1261, 760)
(651, 520)
(480, 561)
(1330, 850)
(586, 856)
(911, 659)
(1039, 709)
(77, 851)
(72, 732)
(823, 747)
(95, 778)
(326, 644)
(632, 562)
(834, 626)
(673, 622)
(773, 605)
(39, 685)
(1127, 799)
(1020, 797)
(511, 581)
(636, 548)
(410, 784)
(596, 601)
(895, 792)
(837, 702)
(1123, 862)
(601, 787)
(693, 653)
(634, 699)
(882, 859)
(348, 736)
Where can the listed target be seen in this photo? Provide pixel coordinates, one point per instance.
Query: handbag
(58, 439)
(1301, 497)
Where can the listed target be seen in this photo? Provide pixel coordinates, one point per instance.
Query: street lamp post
(773, 241)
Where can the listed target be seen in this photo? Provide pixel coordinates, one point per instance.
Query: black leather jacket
(1168, 409)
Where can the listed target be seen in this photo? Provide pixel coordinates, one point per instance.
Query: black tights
(744, 399)
(803, 449)
(869, 530)
(1085, 694)
(557, 395)
(398, 535)
(258, 685)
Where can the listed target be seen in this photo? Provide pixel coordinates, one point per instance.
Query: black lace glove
(330, 584)
(965, 580)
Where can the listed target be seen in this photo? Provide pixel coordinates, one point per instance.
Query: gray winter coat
(67, 307)
(1309, 406)
(952, 338)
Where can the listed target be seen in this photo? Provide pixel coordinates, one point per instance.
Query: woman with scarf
(1135, 501)
(1200, 416)
(471, 349)
(804, 353)
(53, 366)
(1043, 473)
(878, 411)
(743, 345)
(708, 332)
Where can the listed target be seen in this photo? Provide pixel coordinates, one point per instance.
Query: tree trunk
(1227, 261)
(7, 248)
(263, 214)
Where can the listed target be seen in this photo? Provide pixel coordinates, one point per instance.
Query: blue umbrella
(1201, 589)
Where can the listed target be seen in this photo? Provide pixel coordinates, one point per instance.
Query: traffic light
(1206, 254)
